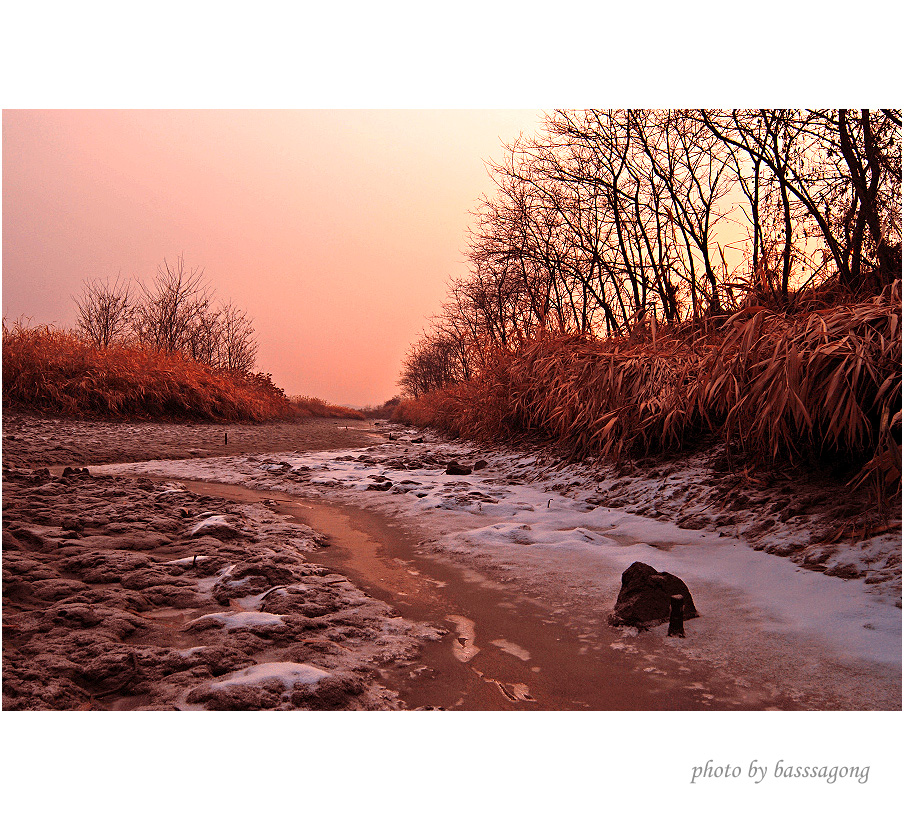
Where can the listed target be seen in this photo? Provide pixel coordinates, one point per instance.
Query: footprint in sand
(463, 646)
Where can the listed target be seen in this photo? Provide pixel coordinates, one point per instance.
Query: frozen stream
(504, 649)
(523, 579)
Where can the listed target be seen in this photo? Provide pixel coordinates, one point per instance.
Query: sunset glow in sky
(337, 231)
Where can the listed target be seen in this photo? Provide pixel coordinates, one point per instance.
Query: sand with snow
(119, 593)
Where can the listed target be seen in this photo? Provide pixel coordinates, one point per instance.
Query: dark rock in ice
(644, 598)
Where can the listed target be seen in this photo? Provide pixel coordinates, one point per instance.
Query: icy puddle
(503, 649)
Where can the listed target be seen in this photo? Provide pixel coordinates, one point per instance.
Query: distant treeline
(305, 406)
(600, 308)
(381, 411)
(162, 350)
(59, 372)
(309, 407)
(610, 219)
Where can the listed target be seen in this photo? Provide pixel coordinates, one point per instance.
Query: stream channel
(503, 650)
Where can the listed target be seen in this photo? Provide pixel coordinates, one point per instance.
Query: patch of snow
(192, 650)
(208, 583)
(239, 620)
(253, 602)
(214, 522)
(287, 673)
(186, 562)
(512, 649)
(464, 647)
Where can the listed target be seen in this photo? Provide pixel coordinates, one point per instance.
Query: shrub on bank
(46, 370)
(308, 407)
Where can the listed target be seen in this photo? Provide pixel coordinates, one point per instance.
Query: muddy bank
(36, 441)
(122, 594)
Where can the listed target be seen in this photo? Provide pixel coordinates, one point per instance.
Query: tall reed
(824, 383)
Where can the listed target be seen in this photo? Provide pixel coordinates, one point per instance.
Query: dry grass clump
(594, 397)
(827, 381)
(46, 370)
(309, 407)
(824, 384)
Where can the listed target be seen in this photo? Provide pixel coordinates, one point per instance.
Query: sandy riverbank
(119, 593)
(35, 441)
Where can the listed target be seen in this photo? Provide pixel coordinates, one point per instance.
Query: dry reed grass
(46, 370)
(820, 384)
(309, 407)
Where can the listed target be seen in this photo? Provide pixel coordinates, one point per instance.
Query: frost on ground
(797, 592)
(123, 594)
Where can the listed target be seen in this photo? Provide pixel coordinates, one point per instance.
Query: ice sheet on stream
(536, 527)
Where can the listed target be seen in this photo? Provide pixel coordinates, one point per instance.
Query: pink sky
(337, 231)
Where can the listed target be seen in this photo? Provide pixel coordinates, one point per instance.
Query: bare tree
(171, 309)
(173, 313)
(204, 341)
(843, 173)
(237, 347)
(608, 216)
(690, 164)
(105, 310)
(871, 146)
